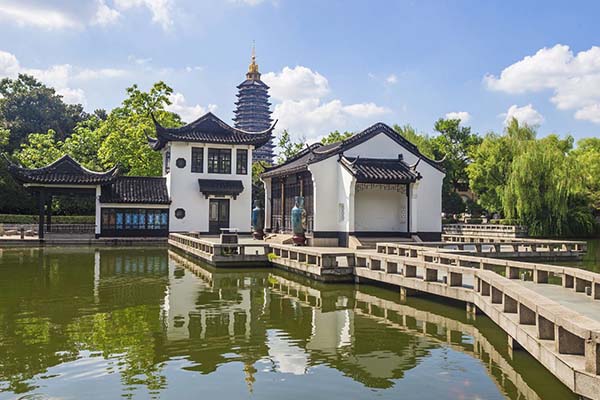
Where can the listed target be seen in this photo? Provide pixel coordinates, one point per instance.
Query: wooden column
(408, 208)
(282, 228)
(49, 211)
(41, 204)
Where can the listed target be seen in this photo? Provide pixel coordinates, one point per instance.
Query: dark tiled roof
(318, 152)
(208, 129)
(380, 170)
(220, 187)
(63, 171)
(136, 190)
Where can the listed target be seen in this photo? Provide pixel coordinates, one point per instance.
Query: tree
(125, 130)
(335, 137)
(85, 142)
(287, 147)
(454, 144)
(40, 150)
(587, 159)
(27, 105)
(422, 141)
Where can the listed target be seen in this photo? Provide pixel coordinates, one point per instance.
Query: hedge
(56, 219)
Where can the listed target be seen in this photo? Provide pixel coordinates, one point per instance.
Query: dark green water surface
(79, 323)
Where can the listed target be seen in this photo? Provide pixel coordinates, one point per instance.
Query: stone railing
(485, 230)
(221, 253)
(566, 342)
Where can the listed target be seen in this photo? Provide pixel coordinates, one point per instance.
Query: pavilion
(373, 184)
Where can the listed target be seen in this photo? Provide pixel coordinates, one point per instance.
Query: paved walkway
(578, 302)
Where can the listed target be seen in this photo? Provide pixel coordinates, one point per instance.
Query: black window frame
(244, 164)
(219, 161)
(167, 160)
(197, 163)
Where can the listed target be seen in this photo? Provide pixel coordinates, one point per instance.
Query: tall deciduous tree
(422, 141)
(287, 147)
(27, 106)
(126, 128)
(335, 136)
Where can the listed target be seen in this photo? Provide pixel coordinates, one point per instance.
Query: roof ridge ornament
(253, 73)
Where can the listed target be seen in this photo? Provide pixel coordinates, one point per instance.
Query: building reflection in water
(141, 309)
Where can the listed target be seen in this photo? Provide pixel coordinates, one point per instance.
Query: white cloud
(464, 116)
(302, 108)
(296, 83)
(62, 77)
(392, 79)
(573, 79)
(105, 15)
(73, 96)
(589, 113)
(32, 15)
(526, 114)
(160, 9)
(187, 112)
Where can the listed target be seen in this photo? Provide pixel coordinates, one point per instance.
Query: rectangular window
(119, 219)
(242, 162)
(219, 161)
(197, 159)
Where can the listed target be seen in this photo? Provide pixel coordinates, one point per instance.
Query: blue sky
(331, 64)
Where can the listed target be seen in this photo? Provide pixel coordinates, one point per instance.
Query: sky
(331, 65)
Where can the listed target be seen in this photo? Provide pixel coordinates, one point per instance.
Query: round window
(180, 163)
(180, 213)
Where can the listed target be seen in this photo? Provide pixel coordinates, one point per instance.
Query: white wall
(185, 193)
(380, 210)
(325, 179)
(426, 200)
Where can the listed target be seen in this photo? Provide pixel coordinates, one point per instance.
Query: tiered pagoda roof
(253, 113)
(208, 129)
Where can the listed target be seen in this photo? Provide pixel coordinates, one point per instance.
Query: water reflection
(150, 323)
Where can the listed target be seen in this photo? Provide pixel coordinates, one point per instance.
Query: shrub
(56, 219)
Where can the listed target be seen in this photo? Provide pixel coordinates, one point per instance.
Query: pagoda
(252, 112)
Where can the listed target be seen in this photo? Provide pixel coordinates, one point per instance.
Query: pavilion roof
(317, 151)
(380, 170)
(65, 171)
(136, 190)
(208, 129)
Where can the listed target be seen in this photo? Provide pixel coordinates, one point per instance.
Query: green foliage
(540, 183)
(39, 150)
(56, 219)
(422, 141)
(452, 203)
(287, 147)
(587, 159)
(4, 138)
(124, 133)
(335, 137)
(84, 144)
(27, 105)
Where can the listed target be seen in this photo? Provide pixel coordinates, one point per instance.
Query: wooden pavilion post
(48, 211)
(41, 205)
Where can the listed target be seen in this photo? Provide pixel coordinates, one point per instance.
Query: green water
(145, 323)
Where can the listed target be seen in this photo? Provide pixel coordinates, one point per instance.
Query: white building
(208, 171)
(375, 183)
(206, 184)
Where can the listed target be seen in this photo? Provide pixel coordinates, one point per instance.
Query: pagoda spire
(253, 73)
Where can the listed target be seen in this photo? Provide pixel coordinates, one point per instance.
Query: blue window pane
(119, 221)
(163, 219)
(142, 220)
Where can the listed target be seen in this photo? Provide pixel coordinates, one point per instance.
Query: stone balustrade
(564, 341)
(508, 231)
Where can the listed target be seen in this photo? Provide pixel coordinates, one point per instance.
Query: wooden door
(218, 215)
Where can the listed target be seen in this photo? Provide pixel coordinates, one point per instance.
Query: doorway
(218, 215)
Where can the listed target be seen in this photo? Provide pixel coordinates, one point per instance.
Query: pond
(148, 323)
